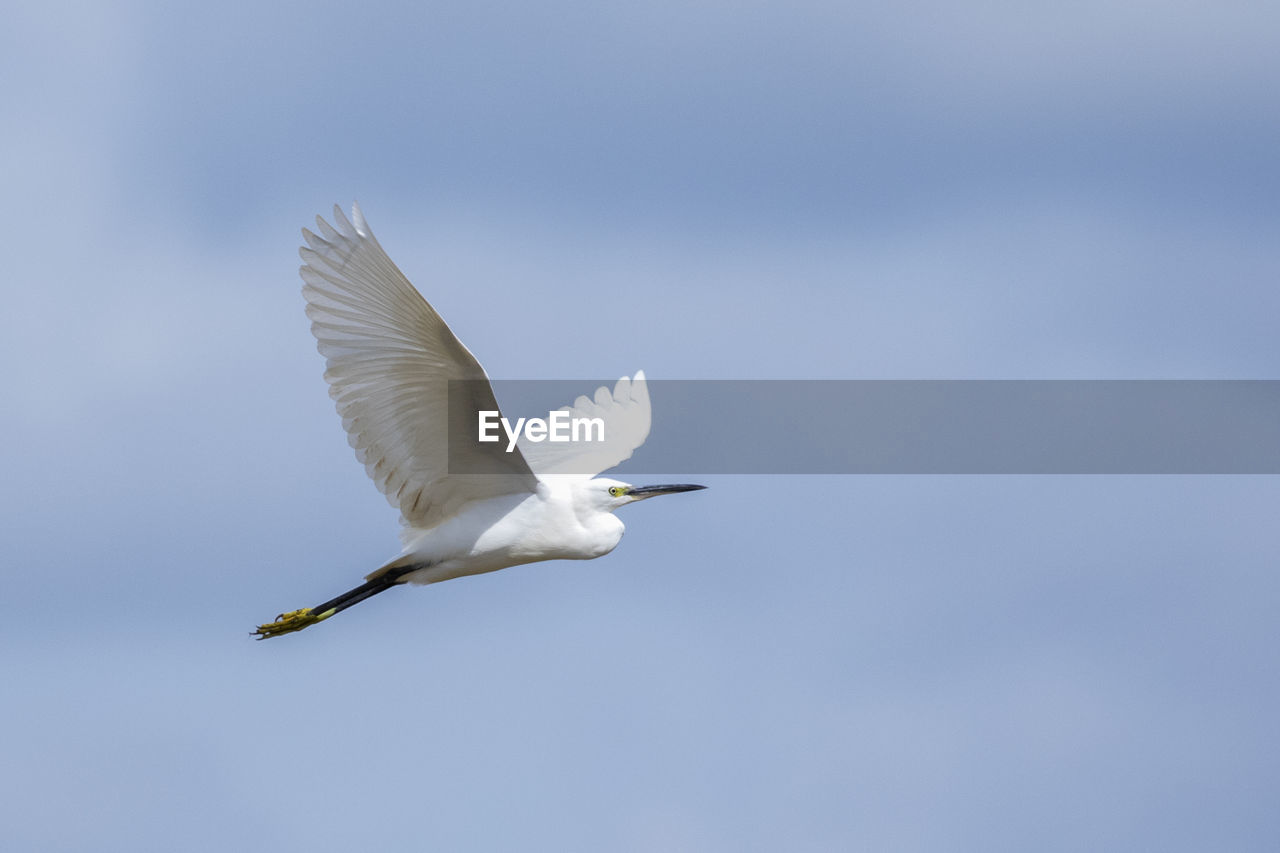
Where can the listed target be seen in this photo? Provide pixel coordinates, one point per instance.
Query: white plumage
(390, 359)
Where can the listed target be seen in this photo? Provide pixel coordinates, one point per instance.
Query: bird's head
(613, 493)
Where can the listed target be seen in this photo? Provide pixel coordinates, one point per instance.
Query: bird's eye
(617, 491)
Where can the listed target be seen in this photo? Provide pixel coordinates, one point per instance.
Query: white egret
(390, 360)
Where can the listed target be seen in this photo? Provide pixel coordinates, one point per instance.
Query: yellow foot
(287, 623)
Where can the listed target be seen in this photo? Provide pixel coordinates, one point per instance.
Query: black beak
(650, 491)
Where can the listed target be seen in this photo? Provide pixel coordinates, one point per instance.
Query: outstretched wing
(626, 416)
(390, 358)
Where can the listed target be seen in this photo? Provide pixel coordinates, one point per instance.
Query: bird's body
(562, 520)
(402, 381)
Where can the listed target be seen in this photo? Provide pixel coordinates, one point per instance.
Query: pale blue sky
(703, 190)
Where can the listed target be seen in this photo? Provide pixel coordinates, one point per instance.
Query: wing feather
(389, 358)
(627, 416)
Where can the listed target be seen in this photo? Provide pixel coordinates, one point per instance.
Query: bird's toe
(287, 623)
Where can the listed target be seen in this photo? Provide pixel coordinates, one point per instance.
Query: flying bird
(401, 379)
